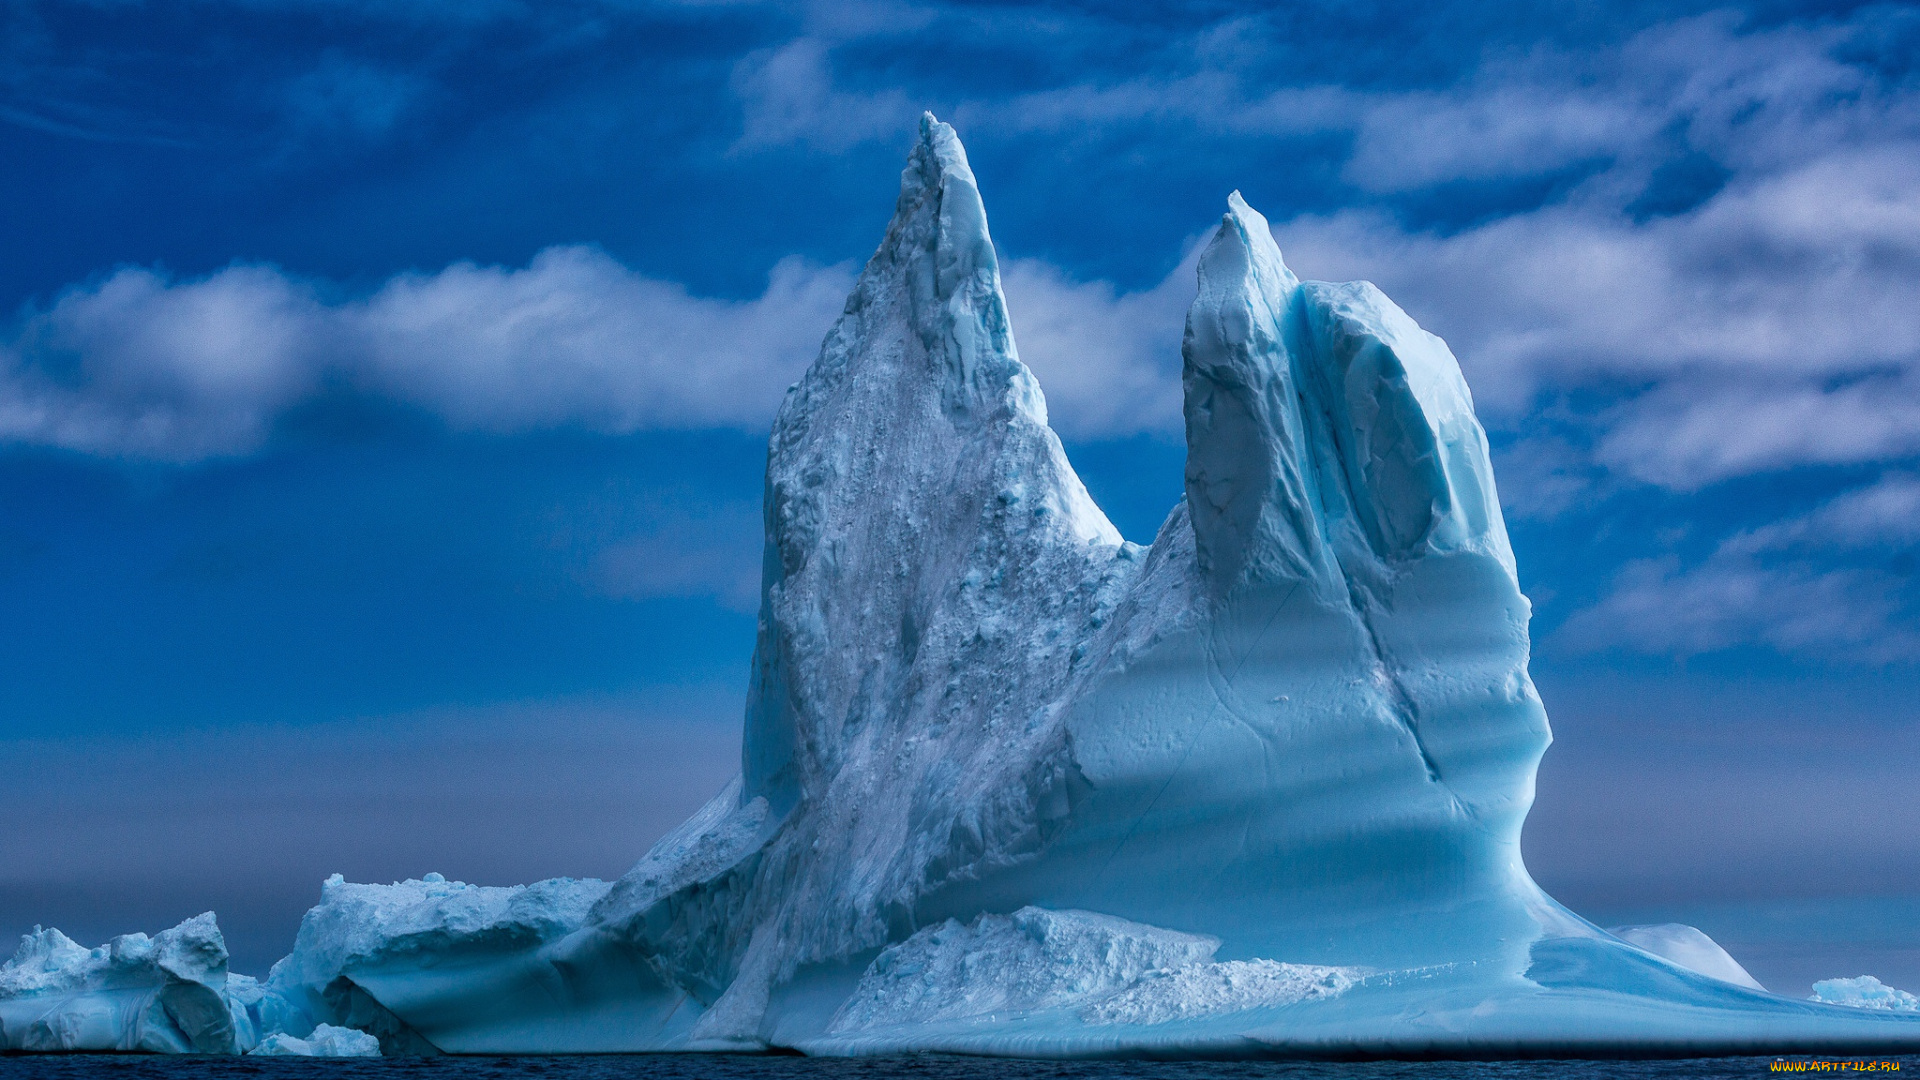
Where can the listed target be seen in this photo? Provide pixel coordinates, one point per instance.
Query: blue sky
(384, 386)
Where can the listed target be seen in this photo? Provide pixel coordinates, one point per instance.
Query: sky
(384, 389)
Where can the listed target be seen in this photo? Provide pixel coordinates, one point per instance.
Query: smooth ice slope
(1013, 786)
(1688, 947)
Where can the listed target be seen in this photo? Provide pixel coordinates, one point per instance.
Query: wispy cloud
(1832, 584)
(344, 95)
(142, 366)
(1108, 361)
(787, 96)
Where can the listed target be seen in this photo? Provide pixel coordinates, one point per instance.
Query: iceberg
(1013, 785)
(326, 1041)
(366, 951)
(1865, 992)
(165, 994)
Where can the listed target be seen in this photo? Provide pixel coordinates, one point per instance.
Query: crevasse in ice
(1011, 785)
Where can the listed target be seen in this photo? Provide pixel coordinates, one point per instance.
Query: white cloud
(1810, 585)
(346, 95)
(1772, 325)
(139, 366)
(1885, 514)
(1659, 609)
(142, 367)
(1108, 361)
(578, 338)
(1572, 291)
(787, 96)
(1410, 141)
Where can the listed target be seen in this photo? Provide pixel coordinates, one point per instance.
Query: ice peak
(938, 256)
(911, 463)
(1326, 432)
(1249, 227)
(1248, 469)
(940, 148)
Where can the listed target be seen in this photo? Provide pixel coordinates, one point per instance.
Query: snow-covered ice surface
(1688, 947)
(1013, 786)
(1865, 992)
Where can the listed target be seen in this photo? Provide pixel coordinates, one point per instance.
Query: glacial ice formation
(326, 1041)
(1688, 947)
(1011, 785)
(1865, 992)
(166, 994)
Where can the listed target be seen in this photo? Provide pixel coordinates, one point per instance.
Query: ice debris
(1105, 970)
(1865, 992)
(1011, 785)
(326, 1041)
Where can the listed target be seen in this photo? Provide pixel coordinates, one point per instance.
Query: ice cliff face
(1010, 785)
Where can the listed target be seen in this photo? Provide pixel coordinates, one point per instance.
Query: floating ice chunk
(1688, 947)
(355, 923)
(326, 1041)
(359, 931)
(1865, 992)
(164, 994)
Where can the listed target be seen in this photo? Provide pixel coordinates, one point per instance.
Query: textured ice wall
(932, 566)
(165, 994)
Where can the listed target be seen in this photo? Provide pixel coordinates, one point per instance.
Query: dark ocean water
(737, 1067)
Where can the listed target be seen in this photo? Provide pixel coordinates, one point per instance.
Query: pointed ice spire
(939, 256)
(913, 452)
(1325, 429)
(1249, 471)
